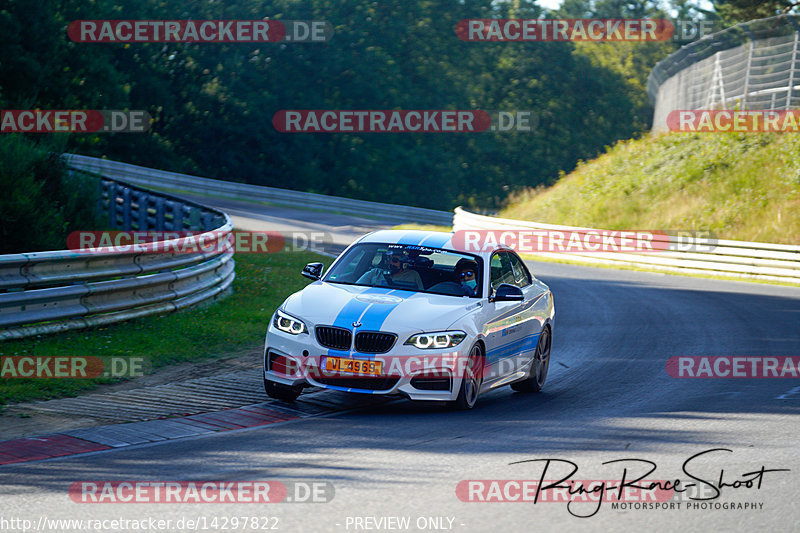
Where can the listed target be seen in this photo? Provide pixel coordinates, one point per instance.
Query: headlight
(439, 339)
(288, 323)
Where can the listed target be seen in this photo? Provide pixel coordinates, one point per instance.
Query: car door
(502, 332)
(531, 314)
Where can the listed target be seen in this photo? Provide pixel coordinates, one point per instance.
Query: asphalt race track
(608, 397)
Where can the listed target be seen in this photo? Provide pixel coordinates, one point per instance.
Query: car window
(349, 269)
(377, 258)
(408, 267)
(502, 271)
(522, 277)
(445, 261)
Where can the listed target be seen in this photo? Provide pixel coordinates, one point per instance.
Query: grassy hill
(738, 186)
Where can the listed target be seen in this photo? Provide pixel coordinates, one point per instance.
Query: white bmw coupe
(406, 313)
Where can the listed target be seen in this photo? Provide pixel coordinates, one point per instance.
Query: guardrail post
(747, 76)
(107, 202)
(170, 215)
(159, 218)
(190, 220)
(149, 212)
(141, 199)
(117, 202)
(717, 79)
(791, 72)
(207, 218)
(126, 209)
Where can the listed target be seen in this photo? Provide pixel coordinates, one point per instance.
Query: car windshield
(412, 268)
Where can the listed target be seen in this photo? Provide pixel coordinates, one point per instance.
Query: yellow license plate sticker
(356, 366)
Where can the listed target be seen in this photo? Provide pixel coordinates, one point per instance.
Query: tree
(735, 11)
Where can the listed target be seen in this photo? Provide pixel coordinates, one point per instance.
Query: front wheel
(280, 391)
(539, 365)
(471, 381)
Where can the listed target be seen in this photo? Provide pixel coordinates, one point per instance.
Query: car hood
(376, 308)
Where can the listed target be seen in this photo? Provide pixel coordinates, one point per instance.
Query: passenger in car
(467, 275)
(399, 275)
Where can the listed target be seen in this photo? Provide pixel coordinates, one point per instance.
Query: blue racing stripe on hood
(435, 240)
(412, 238)
(371, 315)
(376, 315)
(353, 309)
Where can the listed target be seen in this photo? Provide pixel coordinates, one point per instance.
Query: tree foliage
(732, 12)
(41, 202)
(213, 104)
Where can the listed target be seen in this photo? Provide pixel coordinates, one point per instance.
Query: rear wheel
(472, 380)
(280, 391)
(539, 365)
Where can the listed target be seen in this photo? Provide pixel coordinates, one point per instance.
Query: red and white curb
(100, 438)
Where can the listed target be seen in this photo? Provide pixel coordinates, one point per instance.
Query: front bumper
(299, 361)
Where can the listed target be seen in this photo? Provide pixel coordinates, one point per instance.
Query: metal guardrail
(753, 65)
(756, 260)
(148, 177)
(47, 292)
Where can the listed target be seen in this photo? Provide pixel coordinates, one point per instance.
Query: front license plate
(342, 364)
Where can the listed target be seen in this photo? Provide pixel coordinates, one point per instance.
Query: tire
(280, 391)
(539, 365)
(472, 380)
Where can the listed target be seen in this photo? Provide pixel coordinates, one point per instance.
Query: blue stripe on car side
(512, 348)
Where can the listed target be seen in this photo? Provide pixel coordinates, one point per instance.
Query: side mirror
(313, 271)
(508, 293)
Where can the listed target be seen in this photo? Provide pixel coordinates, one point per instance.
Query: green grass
(236, 323)
(737, 186)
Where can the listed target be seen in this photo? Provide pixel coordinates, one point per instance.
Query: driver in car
(398, 275)
(467, 272)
